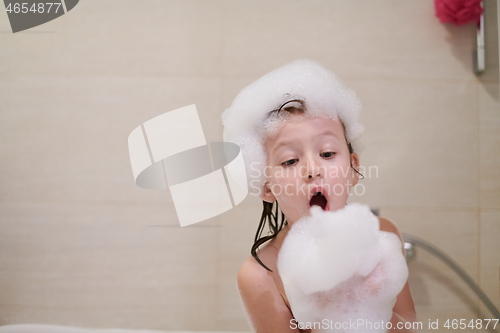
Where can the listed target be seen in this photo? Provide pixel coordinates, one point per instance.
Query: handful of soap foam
(341, 272)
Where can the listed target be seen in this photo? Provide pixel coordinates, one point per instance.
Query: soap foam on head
(339, 266)
(247, 121)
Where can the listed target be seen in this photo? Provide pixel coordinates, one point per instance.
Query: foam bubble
(339, 266)
(245, 120)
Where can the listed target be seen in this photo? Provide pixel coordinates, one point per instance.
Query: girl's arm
(404, 309)
(266, 310)
(404, 312)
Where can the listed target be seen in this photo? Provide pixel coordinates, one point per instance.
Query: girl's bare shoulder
(251, 275)
(251, 271)
(386, 225)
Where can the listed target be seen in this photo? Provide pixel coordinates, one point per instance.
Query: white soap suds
(324, 95)
(338, 266)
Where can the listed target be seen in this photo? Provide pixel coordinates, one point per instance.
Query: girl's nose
(313, 170)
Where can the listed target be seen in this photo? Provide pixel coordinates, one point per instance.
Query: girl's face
(308, 163)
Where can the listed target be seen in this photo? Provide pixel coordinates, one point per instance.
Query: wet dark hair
(276, 221)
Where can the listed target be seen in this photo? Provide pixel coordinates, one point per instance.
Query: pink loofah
(458, 11)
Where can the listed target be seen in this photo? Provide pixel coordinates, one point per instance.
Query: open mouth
(318, 199)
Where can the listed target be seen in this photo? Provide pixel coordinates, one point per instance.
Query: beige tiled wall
(81, 244)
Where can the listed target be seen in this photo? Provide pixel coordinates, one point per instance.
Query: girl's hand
(352, 291)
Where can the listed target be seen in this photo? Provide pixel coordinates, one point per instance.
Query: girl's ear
(267, 195)
(354, 165)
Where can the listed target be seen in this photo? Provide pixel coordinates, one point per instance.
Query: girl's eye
(328, 154)
(290, 162)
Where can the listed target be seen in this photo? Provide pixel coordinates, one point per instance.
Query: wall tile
(66, 139)
(386, 44)
(120, 38)
(422, 136)
(104, 267)
(489, 274)
(489, 125)
(238, 227)
(453, 232)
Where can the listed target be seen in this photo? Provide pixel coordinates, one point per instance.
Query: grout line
(228, 187)
(221, 78)
(250, 76)
(210, 156)
(478, 236)
(126, 203)
(440, 209)
(64, 6)
(147, 143)
(164, 169)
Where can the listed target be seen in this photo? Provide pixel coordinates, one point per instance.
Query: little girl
(297, 128)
